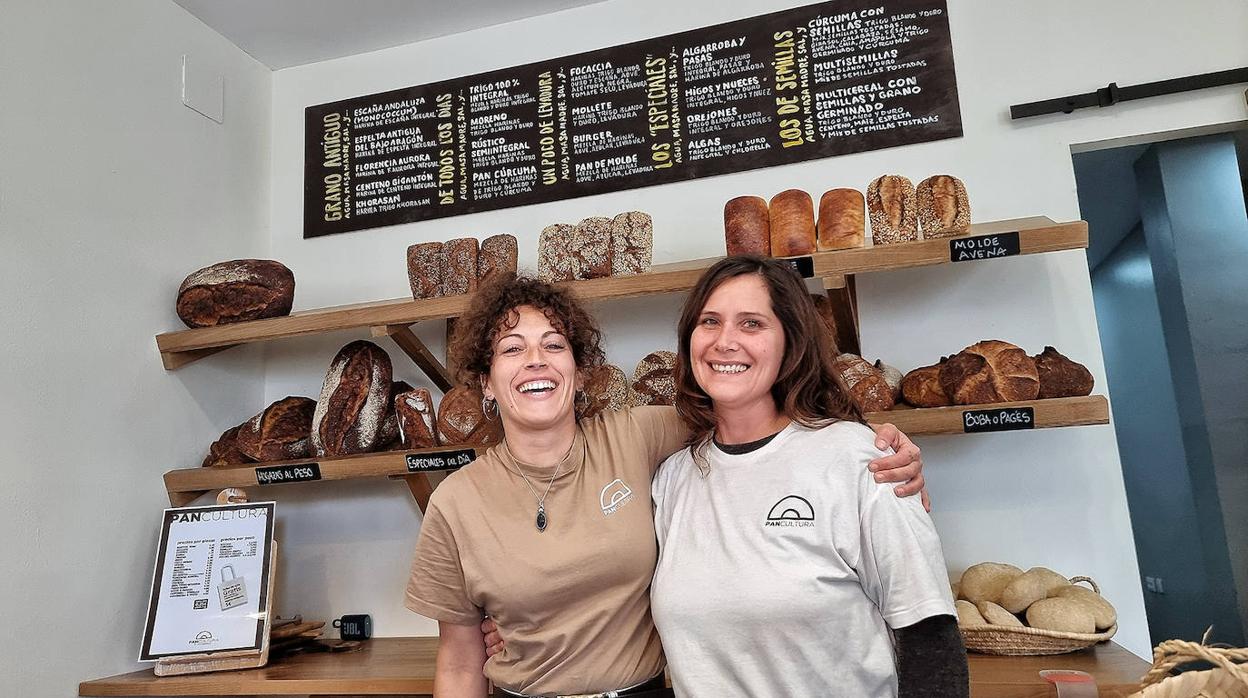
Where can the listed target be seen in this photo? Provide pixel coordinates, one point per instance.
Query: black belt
(654, 688)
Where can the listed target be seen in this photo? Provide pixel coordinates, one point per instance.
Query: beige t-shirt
(572, 602)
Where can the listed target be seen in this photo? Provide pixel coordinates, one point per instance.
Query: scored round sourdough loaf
(990, 371)
(417, 418)
(1061, 377)
(235, 291)
(921, 387)
(224, 451)
(282, 431)
(747, 226)
(353, 402)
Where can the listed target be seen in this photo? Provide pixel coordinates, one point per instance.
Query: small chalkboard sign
(1000, 419)
(804, 266)
(278, 474)
(975, 247)
(446, 460)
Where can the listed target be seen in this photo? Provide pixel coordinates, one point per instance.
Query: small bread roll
(986, 581)
(792, 214)
(747, 226)
(842, 223)
(995, 615)
(1031, 586)
(1060, 615)
(1102, 611)
(944, 210)
(891, 201)
(968, 614)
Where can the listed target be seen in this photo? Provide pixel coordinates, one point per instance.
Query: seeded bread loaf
(606, 388)
(652, 380)
(281, 432)
(891, 202)
(235, 291)
(353, 402)
(591, 249)
(944, 209)
(747, 226)
(497, 256)
(426, 262)
(632, 243)
(555, 260)
(460, 274)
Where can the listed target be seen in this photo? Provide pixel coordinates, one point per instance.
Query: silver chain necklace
(541, 519)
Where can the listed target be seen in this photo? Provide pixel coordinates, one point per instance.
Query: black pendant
(541, 519)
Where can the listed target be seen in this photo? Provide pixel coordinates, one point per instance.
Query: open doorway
(1168, 257)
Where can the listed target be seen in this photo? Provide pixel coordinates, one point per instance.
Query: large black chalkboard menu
(810, 82)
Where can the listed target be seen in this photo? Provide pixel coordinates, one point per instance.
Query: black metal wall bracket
(1112, 94)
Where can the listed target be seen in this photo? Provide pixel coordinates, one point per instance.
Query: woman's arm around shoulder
(461, 657)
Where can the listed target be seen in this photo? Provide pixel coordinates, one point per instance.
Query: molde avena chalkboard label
(277, 474)
(975, 247)
(446, 460)
(1001, 419)
(805, 83)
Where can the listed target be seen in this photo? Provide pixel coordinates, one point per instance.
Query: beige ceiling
(285, 33)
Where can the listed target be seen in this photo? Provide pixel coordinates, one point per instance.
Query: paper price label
(1003, 419)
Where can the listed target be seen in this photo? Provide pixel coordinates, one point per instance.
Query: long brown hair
(808, 388)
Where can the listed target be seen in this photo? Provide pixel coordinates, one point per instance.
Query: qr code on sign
(201, 604)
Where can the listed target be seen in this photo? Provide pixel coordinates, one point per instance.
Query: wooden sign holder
(229, 659)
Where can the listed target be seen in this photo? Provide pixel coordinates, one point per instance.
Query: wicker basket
(1228, 679)
(1014, 641)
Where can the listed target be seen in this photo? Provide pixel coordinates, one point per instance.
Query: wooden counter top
(404, 666)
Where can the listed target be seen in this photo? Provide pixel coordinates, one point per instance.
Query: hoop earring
(489, 406)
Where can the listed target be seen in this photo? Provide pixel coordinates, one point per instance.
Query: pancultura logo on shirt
(615, 495)
(792, 511)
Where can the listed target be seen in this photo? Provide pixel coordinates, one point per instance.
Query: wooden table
(404, 666)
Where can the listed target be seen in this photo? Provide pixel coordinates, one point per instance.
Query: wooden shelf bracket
(418, 352)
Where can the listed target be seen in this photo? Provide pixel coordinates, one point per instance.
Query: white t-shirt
(782, 570)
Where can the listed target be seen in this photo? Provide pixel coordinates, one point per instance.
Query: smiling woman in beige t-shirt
(551, 532)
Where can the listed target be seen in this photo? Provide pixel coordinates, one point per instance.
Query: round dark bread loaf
(868, 387)
(1061, 377)
(235, 291)
(461, 421)
(653, 383)
(224, 451)
(426, 263)
(606, 388)
(417, 419)
(281, 431)
(921, 387)
(353, 401)
(990, 371)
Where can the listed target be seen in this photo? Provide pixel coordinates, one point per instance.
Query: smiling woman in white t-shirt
(784, 569)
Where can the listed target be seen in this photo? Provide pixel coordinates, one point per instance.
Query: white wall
(111, 191)
(1050, 497)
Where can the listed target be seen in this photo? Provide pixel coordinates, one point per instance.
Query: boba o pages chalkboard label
(810, 82)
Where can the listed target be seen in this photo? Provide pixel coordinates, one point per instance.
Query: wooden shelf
(1036, 235)
(404, 666)
(1054, 412)
(186, 484)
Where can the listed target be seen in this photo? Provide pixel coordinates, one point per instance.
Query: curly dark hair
(493, 309)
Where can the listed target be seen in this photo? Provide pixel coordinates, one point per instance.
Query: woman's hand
(905, 466)
(493, 639)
